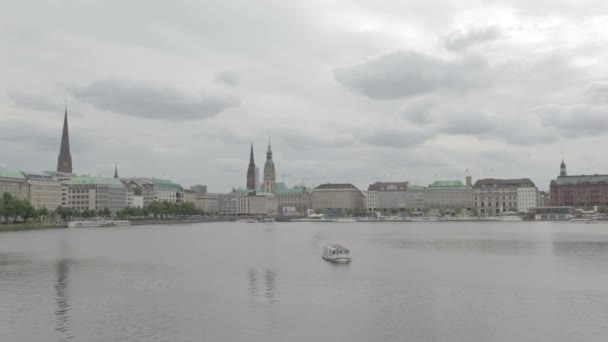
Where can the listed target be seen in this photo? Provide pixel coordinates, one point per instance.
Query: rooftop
(336, 186)
(5, 173)
(96, 180)
(503, 182)
(456, 184)
(387, 186)
(582, 179)
(38, 176)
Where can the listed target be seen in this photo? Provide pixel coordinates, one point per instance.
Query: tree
(106, 212)
(474, 212)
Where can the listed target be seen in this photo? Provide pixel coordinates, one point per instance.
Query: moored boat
(336, 253)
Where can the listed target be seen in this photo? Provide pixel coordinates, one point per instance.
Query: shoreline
(16, 227)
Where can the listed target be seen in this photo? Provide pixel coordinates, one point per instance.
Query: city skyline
(509, 90)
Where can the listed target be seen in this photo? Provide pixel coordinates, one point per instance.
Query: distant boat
(336, 253)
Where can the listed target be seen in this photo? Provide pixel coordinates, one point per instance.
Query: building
(553, 213)
(44, 191)
(64, 161)
(293, 201)
(257, 203)
(199, 189)
(269, 172)
(389, 196)
(96, 193)
(337, 198)
(251, 179)
(581, 191)
(167, 191)
(190, 196)
(451, 195)
(208, 203)
(14, 183)
(414, 197)
(371, 201)
(227, 204)
(497, 196)
(543, 198)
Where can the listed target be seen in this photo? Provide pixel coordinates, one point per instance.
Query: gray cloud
(227, 78)
(35, 102)
(465, 38)
(575, 120)
(597, 93)
(150, 101)
(403, 74)
(396, 138)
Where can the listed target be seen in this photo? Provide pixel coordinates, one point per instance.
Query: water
(267, 282)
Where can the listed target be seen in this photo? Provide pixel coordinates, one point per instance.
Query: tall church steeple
(116, 170)
(64, 162)
(562, 168)
(269, 172)
(251, 171)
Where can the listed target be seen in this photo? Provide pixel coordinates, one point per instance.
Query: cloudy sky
(350, 91)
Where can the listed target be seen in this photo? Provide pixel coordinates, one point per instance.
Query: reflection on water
(270, 280)
(501, 247)
(270, 283)
(580, 248)
(61, 296)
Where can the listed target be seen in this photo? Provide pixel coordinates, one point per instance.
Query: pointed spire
(251, 171)
(64, 162)
(116, 170)
(251, 160)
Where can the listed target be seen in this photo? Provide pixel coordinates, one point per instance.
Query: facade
(337, 197)
(580, 191)
(371, 201)
(269, 173)
(167, 191)
(390, 196)
(251, 178)
(64, 161)
(96, 193)
(414, 197)
(44, 191)
(208, 203)
(453, 195)
(14, 183)
(497, 196)
(190, 196)
(227, 204)
(293, 201)
(543, 199)
(138, 201)
(257, 203)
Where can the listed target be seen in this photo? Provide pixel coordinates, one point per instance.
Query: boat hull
(337, 260)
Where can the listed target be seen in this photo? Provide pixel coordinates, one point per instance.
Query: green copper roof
(96, 180)
(290, 192)
(10, 174)
(582, 179)
(167, 185)
(448, 184)
(415, 187)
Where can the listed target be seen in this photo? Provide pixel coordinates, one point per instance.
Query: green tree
(106, 212)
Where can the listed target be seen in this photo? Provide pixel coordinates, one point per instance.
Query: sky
(348, 91)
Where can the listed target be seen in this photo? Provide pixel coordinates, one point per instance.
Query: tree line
(14, 210)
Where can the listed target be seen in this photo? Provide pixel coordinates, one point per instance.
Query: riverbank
(14, 227)
(180, 221)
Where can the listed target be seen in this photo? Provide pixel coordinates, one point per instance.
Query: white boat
(336, 253)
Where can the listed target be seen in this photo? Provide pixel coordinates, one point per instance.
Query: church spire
(251, 171)
(64, 162)
(116, 170)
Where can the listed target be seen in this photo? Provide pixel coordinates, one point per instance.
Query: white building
(496, 196)
(527, 197)
(137, 201)
(257, 203)
(167, 191)
(371, 200)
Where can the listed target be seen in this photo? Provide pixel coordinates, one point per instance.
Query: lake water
(267, 282)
